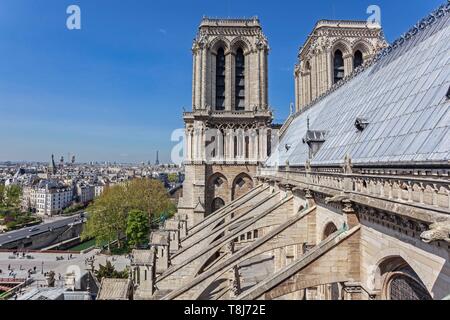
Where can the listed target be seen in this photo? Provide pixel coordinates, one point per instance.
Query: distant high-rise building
(157, 158)
(52, 167)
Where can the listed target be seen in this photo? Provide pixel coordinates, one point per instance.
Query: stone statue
(348, 164)
(336, 199)
(439, 231)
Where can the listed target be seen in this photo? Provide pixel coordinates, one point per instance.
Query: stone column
(264, 144)
(231, 145)
(198, 80)
(187, 146)
(297, 92)
(258, 93)
(219, 145)
(204, 77)
(350, 214)
(263, 77)
(348, 64)
(194, 78)
(202, 144)
(329, 68)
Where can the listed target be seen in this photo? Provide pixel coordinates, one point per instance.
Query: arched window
(339, 70)
(269, 143)
(217, 204)
(240, 80)
(220, 80)
(358, 59)
(329, 230)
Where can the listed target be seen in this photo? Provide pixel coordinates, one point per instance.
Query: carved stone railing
(432, 192)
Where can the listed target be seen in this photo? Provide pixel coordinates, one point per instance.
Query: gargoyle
(336, 199)
(439, 231)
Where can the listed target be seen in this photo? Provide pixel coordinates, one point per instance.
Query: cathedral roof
(396, 109)
(114, 289)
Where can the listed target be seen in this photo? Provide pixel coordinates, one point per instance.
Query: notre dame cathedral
(229, 132)
(348, 200)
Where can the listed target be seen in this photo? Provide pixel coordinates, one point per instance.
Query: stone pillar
(204, 77)
(330, 70)
(173, 228)
(194, 78)
(350, 214)
(219, 146)
(202, 155)
(348, 64)
(258, 93)
(160, 240)
(183, 226)
(198, 71)
(144, 273)
(263, 78)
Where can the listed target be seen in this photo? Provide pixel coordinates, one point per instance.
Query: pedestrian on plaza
(9, 267)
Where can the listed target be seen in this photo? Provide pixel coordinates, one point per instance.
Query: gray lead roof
(403, 97)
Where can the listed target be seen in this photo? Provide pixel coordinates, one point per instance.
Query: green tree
(148, 195)
(108, 271)
(173, 177)
(107, 219)
(2, 194)
(108, 215)
(12, 196)
(137, 227)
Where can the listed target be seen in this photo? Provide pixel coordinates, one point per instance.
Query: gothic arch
(242, 184)
(329, 229)
(364, 46)
(217, 204)
(390, 260)
(217, 188)
(398, 281)
(220, 42)
(343, 45)
(242, 43)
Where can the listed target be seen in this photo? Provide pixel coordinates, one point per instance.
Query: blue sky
(114, 91)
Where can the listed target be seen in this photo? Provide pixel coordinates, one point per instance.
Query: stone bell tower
(228, 132)
(332, 51)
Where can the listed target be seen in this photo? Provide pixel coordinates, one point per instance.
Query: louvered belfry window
(338, 66)
(220, 80)
(240, 80)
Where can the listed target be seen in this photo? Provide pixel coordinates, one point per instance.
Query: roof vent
(361, 124)
(448, 93)
(315, 139)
